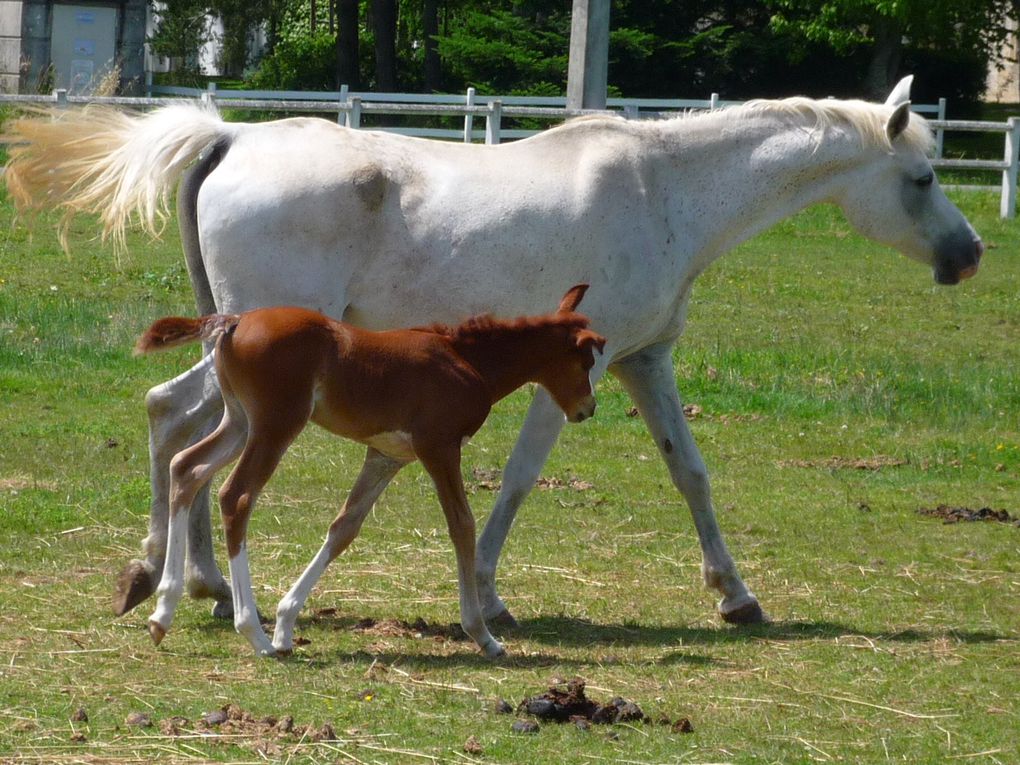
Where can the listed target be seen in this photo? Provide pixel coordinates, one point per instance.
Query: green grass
(896, 637)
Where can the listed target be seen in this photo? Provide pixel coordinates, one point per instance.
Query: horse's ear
(588, 339)
(898, 121)
(901, 92)
(572, 299)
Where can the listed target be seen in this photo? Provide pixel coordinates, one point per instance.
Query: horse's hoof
(223, 609)
(495, 652)
(134, 585)
(504, 619)
(749, 613)
(156, 632)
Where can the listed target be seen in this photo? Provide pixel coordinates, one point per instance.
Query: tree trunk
(347, 44)
(430, 26)
(885, 58)
(384, 24)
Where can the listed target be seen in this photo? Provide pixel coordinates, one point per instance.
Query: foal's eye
(925, 180)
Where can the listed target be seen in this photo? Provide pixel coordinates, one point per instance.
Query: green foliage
(499, 51)
(298, 62)
(179, 33)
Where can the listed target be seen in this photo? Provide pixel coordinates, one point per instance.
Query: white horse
(304, 212)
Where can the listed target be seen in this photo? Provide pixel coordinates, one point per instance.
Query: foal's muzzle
(584, 410)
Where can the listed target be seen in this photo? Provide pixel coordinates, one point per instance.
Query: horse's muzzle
(955, 272)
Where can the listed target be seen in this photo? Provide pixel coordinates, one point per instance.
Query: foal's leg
(260, 458)
(190, 471)
(541, 429)
(650, 380)
(444, 467)
(178, 412)
(376, 473)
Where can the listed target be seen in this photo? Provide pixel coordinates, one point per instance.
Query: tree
(347, 48)
(384, 27)
(180, 31)
(884, 27)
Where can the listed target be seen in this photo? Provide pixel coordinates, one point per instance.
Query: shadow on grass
(565, 630)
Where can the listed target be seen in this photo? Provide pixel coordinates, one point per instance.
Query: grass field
(840, 391)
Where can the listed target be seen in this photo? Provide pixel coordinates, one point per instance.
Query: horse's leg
(649, 378)
(541, 429)
(443, 464)
(178, 410)
(262, 453)
(190, 471)
(376, 473)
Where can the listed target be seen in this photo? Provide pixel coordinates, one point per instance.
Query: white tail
(107, 162)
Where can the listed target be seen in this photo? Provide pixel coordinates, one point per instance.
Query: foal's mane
(487, 327)
(868, 120)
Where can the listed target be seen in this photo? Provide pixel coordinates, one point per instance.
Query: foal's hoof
(156, 632)
(134, 585)
(749, 613)
(504, 619)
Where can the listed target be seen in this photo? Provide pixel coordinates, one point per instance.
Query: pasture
(837, 391)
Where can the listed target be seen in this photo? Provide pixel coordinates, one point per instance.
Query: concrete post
(588, 69)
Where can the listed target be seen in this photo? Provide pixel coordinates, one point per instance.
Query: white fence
(349, 108)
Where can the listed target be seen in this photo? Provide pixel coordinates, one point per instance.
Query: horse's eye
(925, 180)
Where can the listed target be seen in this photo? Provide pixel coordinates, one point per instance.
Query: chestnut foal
(407, 394)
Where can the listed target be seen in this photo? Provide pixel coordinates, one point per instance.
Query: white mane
(868, 120)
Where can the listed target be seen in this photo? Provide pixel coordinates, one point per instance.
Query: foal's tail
(107, 162)
(178, 330)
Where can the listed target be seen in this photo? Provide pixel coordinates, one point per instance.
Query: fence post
(60, 95)
(209, 98)
(341, 115)
(492, 122)
(1007, 208)
(940, 132)
(469, 119)
(354, 115)
(713, 101)
(148, 83)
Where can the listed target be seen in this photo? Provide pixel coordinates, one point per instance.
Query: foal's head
(567, 375)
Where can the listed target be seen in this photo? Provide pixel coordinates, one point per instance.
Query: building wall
(33, 21)
(10, 45)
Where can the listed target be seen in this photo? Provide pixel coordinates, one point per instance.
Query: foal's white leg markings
(246, 614)
(190, 471)
(179, 410)
(376, 473)
(649, 378)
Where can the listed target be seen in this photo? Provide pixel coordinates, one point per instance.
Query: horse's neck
(742, 175)
(504, 358)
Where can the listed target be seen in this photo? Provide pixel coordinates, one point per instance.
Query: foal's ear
(588, 339)
(572, 299)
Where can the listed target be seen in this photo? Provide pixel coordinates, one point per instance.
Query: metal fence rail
(349, 107)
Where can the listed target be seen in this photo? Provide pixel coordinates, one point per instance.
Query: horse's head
(894, 198)
(567, 375)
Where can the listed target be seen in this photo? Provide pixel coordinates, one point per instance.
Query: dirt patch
(18, 483)
(950, 514)
(568, 702)
(877, 462)
(266, 733)
(489, 479)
